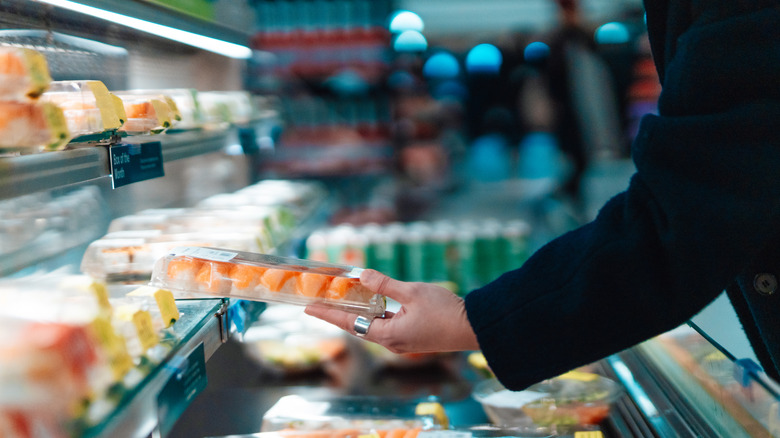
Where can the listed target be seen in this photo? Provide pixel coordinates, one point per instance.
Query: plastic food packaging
(145, 115)
(226, 107)
(31, 125)
(351, 416)
(571, 400)
(183, 102)
(24, 74)
(87, 105)
(129, 256)
(171, 107)
(267, 226)
(264, 277)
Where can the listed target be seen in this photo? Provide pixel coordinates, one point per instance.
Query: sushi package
(185, 112)
(88, 106)
(265, 277)
(129, 256)
(24, 74)
(27, 123)
(146, 114)
(33, 126)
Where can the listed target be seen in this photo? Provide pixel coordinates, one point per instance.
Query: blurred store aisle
(535, 200)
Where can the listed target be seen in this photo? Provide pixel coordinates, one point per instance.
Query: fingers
(339, 318)
(384, 285)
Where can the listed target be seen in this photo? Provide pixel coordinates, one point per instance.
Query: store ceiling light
(410, 41)
(612, 33)
(203, 42)
(406, 20)
(484, 58)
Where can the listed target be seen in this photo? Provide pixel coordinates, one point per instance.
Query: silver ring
(361, 325)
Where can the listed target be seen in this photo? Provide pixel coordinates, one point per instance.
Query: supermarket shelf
(188, 144)
(158, 14)
(138, 412)
(26, 174)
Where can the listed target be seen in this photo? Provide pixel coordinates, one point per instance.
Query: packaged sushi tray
(183, 102)
(129, 256)
(146, 114)
(88, 106)
(24, 74)
(343, 416)
(265, 277)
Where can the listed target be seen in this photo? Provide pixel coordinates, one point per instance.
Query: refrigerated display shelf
(26, 174)
(141, 410)
(151, 11)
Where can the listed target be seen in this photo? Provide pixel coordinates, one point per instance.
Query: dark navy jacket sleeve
(705, 199)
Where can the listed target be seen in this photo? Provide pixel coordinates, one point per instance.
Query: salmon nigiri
(314, 285)
(340, 287)
(246, 276)
(183, 268)
(280, 280)
(23, 73)
(214, 276)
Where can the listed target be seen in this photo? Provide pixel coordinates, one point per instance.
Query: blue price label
(131, 163)
(188, 380)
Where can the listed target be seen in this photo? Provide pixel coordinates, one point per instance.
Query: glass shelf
(137, 409)
(26, 174)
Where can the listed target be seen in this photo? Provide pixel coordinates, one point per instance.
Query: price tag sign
(188, 380)
(132, 163)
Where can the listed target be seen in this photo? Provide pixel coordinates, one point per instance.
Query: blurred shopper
(586, 119)
(701, 215)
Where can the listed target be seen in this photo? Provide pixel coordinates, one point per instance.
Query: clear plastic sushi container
(572, 400)
(388, 430)
(180, 102)
(259, 224)
(184, 101)
(264, 277)
(226, 107)
(129, 256)
(145, 115)
(32, 127)
(152, 219)
(263, 223)
(355, 415)
(24, 74)
(87, 105)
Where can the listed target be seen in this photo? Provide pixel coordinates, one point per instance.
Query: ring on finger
(361, 325)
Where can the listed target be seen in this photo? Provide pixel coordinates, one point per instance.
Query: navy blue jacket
(701, 214)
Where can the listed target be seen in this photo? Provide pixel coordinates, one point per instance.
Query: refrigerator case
(681, 384)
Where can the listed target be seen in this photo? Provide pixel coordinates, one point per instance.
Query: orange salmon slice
(313, 285)
(143, 110)
(182, 265)
(396, 433)
(245, 276)
(212, 275)
(11, 64)
(274, 278)
(340, 286)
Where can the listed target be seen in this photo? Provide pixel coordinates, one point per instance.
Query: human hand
(431, 319)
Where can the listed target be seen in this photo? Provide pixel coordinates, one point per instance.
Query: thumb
(384, 285)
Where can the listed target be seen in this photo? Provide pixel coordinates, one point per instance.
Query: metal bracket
(222, 321)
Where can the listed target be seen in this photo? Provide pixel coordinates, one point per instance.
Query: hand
(431, 319)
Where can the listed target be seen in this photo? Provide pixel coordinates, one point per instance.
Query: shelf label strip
(131, 163)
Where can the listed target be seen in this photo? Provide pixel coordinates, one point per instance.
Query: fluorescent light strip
(206, 43)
